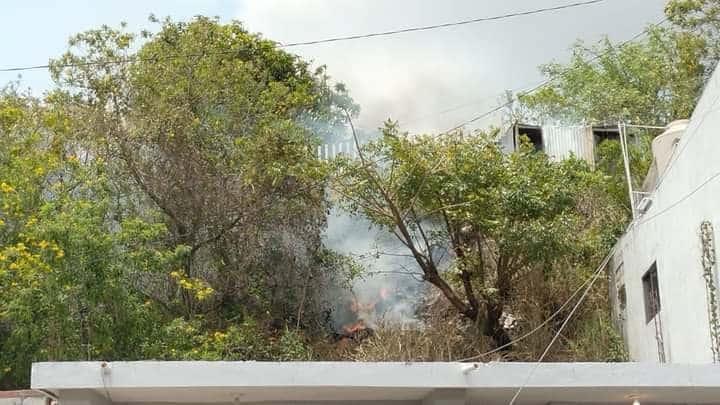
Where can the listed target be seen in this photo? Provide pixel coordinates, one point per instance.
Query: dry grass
(444, 336)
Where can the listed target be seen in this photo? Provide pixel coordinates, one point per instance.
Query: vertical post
(626, 163)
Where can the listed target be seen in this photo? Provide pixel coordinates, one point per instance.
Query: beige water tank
(664, 145)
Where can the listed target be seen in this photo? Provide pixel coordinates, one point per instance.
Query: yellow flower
(43, 244)
(39, 171)
(14, 266)
(60, 254)
(6, 188)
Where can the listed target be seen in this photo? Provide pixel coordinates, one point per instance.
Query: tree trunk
(493, 328)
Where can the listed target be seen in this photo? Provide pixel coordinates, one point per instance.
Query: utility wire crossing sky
(336, 39)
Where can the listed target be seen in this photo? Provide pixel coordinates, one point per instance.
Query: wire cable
(328, 40)
(564, 324)
(680, 200)
(534, 330)
(445, 25)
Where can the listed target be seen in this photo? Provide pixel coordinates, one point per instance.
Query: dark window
(651, 292)
(534, 134)
(603, 134)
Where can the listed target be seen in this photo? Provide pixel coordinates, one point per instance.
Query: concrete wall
(687, 194)
(330, 383)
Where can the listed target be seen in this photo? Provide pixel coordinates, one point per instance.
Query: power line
(327, 40)
(564, 324)
(445, 25)
(680, 200)
(551, 79)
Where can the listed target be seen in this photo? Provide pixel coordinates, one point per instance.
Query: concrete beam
(194, 374)
(81, 397)
(446, 397)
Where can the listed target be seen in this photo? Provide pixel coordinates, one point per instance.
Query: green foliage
(163, 197)
(210, 126)
(597, 340)
(164, 200)
(64, 262)
(649, 82)
(610, 162)
(652, 81)
(181, 339)
(501, 217)
(698, 18)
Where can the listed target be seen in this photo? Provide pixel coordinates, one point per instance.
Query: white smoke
(390, 288)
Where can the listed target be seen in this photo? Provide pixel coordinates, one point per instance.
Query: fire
(352, 329)
(363, 313)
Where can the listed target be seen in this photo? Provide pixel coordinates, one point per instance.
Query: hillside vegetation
(164, 201)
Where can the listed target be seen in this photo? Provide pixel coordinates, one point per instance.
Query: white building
(664, 278)
(328, 383)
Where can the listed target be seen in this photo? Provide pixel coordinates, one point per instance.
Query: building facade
(664, 276)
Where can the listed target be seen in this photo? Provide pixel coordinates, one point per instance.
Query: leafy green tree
(65, 263)
(652, 82)
(212, 126)
(500, 218)
(165, 202)
(698, 18)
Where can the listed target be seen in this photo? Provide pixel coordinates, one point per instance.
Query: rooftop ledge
(348, 382)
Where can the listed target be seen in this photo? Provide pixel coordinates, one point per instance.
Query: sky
(429, 81)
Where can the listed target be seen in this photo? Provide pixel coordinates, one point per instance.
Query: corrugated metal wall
(506, 140)
(329, 151)
(561, 142)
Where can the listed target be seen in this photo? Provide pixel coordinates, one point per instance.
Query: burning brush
(361, 317)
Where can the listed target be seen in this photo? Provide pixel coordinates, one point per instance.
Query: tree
(501, 218)
(698, 18)
(64, 262)
(650, 82)
(210, 125)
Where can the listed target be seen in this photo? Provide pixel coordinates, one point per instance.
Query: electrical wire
(674, 158)
(534, 330)
(326, 40)
(681, 200)
(599, 270)
(445, 25)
